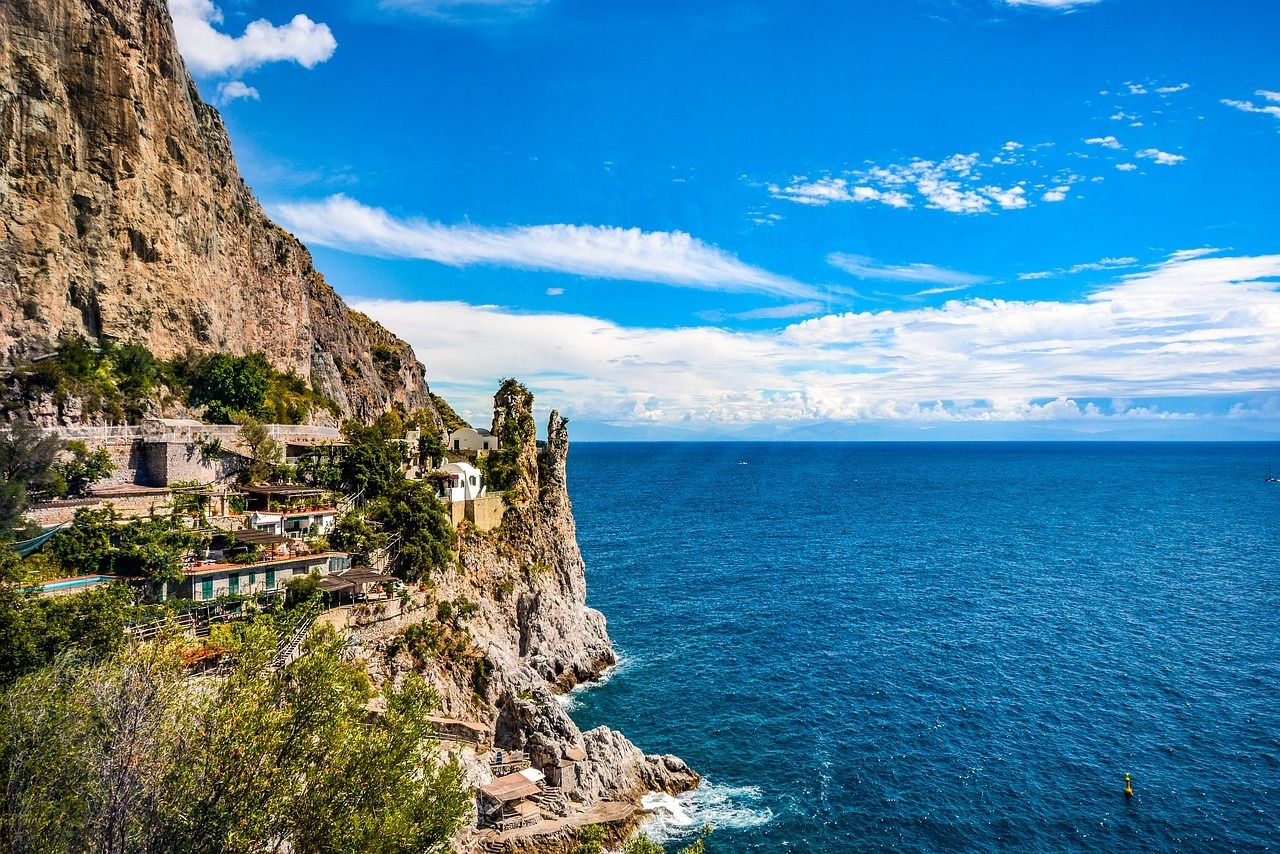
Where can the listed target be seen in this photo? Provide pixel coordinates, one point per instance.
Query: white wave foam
(572, 699)
(721, 807)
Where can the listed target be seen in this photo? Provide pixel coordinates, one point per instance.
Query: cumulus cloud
(868, 268)
(1126, 167)
(603, 252)
(1169, 90)
(1163, 158)
(1057, 194)
(956, 184)
(235, 90)
(209, 51)
(1194, 325)
(1105, 142)
(555, 292)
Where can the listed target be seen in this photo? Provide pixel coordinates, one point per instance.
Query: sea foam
(717, 806)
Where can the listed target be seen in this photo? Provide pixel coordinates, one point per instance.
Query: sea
(927, 647)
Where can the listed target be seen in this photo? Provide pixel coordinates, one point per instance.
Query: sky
(910, 219)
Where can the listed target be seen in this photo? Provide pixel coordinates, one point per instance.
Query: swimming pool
(71, 583)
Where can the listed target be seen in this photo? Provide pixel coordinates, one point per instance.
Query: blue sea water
(945, 647)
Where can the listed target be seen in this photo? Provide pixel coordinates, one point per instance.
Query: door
(271, 579)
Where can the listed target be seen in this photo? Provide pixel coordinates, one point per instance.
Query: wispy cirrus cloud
(1270, 107)
(869, 268)
(603, 252)
(1061, 5)
(1088, 266)
(1191, 326)
(465, 11)
(209, 51)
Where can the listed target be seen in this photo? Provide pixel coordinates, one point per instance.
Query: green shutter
(233, 584)
(271, 579)
(206, 589)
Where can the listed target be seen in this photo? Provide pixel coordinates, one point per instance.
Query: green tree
(412, 510)
(265, 453)
(125, 754)
(27, 466)
(84, 468)
(231, 385)
(354, 534)
(371, 462)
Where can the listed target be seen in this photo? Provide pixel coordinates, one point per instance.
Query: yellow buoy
(1128, 786)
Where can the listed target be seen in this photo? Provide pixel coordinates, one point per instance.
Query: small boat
(1271, 478)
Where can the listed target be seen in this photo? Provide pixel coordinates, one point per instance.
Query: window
(457, 444)
(271, 579)
(233, 584)
(206, 589)
(486, 446)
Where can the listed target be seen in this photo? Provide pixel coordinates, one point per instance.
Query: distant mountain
(122, 214)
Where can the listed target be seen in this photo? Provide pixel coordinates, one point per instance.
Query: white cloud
(555, 292)
(1126, 167)
(960, 184)
(1163, 158)
(1102, 264)
(1105, 142)
(1272, 109)
(1064, 5)
(1057, 194)
(465, 11)
(1136, 89)
(603, 252)
(1187, 328)
(235, 89)
(208, 51)
(795, 309)
(868, 268)
(1169, 90)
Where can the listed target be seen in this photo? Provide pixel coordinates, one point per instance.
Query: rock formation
(534, 627)
(122, 213)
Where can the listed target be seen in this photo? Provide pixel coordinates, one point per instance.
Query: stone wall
(485, 512)
(175, 462)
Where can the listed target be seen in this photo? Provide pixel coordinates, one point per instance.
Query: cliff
(533, 627)
(122, 214)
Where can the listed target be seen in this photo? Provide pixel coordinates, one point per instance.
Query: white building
(468, 439)
(465, 483)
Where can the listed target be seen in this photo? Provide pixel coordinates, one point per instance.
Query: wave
(717, 806)
(572, 699)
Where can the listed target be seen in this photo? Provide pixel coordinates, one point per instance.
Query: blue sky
(959, 218)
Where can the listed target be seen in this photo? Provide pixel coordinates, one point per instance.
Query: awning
(258, 538)
(512, 787)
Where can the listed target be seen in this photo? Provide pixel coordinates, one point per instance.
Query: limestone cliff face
(122, 213)
(528, 579)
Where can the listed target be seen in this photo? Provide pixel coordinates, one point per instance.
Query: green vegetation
(81, 471)
(502, 467)
(27, 468)
(34, 630)
(120, 752)
(265, 453)
(591, 840)
(99, 541)
(452, 420)
(119, 382)
(446, 639)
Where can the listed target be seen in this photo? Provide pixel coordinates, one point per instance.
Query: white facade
(466, 483)
(467, 439)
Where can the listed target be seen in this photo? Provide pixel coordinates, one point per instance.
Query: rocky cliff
(122, 213)
(534, 628)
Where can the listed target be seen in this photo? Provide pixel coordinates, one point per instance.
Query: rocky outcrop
(122, 214)
(533, 625)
